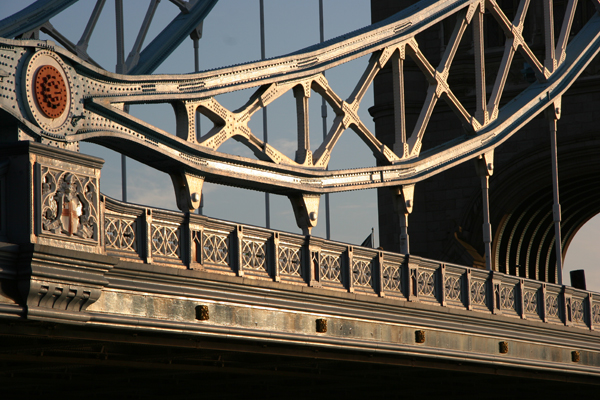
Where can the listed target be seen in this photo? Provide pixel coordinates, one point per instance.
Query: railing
(144, 235)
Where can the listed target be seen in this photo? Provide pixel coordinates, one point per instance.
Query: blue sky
(231, 36)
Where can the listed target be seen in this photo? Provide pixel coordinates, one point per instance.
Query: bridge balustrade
(190, 241)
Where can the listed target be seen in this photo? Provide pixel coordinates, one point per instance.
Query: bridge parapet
(189, 241)
(104, 263)
(68, 213)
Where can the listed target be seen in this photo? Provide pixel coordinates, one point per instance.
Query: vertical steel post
(120, 68)
(487, 227)
(324, 116)
(556, 206)
(196, 35)
(265, 133)
(404, 239)
(196, 57)
(484, 166)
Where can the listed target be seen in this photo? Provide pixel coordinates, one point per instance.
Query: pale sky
(231, 36)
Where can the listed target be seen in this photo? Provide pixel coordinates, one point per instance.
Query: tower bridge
(136, 301)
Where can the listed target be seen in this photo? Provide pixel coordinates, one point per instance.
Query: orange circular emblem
(50, 91)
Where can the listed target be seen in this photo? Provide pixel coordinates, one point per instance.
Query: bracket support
(306, 211)
(188, 190)
(403, 202)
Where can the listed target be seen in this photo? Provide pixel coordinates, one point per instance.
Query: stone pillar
(50, 200)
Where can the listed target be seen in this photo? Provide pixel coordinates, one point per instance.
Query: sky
(231, 35)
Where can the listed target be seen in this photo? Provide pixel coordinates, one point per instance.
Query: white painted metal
(264, 110)
(324, 117)
(554, 114)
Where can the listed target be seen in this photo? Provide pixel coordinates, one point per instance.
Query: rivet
(195, 197)
(312, 216)
(321, 325)
(202, 313)
(575, 356)
(420, 336)
(503, 347)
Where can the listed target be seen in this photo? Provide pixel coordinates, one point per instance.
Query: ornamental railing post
(196, 231)
(543, 308)
(186, 242)
(567, 303)
(380, 283)
(468, 299)
(314, 261)
(521, 300)
(349, 268)
(148, 235)
(413, 277)
(102, 224)
(275, 258)
(237, 249)
(442, 284)
(496, 283)
(590, 310)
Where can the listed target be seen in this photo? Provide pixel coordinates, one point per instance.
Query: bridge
(110, 298)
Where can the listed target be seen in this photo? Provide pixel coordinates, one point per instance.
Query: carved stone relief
(69, 204)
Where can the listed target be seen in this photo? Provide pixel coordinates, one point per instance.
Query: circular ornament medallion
(48, 91)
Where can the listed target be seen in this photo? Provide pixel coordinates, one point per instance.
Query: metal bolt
(195, 197)
(202, 313)
(321, 325)
(420, 336)
(312, 216)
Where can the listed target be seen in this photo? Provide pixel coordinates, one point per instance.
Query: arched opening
(522, 213)
(583, 252)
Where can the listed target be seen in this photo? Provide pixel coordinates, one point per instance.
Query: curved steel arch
(191, 161)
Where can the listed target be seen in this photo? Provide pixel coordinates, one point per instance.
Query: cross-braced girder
(103, 96)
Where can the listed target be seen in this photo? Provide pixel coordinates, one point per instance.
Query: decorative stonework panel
(577, 311)
(426, 283)
(478, 292)
(69, 204)
(507, 298)
(552, 309)
(331, 267)
(596, 313)
(165, 240)
(392, 277)
(289, 260)
(120, 233)
(196, 242)
(530, 302)
(452, 287)
(215, 248)
(254, 254)
(361, 272)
